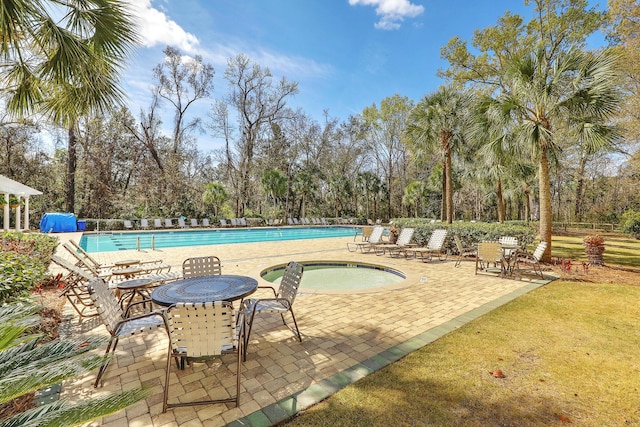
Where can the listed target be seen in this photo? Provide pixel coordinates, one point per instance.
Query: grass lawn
(564, 353)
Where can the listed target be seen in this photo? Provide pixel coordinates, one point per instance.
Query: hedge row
(470, 232)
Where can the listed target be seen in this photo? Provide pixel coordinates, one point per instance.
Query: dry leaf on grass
(497, 374)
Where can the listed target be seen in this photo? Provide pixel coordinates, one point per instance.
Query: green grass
(568, 351)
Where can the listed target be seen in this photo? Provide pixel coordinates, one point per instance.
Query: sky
(345, 55)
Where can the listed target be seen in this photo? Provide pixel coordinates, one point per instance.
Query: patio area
(346, 335)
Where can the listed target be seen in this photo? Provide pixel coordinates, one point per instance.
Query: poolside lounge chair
(202, 331)
(194, 222)
(234, 222)
(374, 239)
(117, 322)
(168, 223)
(402, 243)
(295, 221)
(435, 246)
(243, 222)
(205, 222)
(127, 224)
(181, 223)
(75, 290)
(281, 302)
(144, 224)
(157, 223)
(290, 221)
(531, 259)
(464, 251)
(223, 223)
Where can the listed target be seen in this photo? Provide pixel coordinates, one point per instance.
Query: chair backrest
(205, 222)
(73, 269)
(366, 232)
(181, 223)
(508, 240)
(234, 222)
(144, 223)
(202, 329)
(127, 224)
(436, 241)
(295, 221)
(194, 222)
(405, 236)
(86, 258)
(157, 223)
(201, 266)
(458, 243)
(223, 222)
(168, 223)
(537, 254)
(290, 281)
(243, 221)
(376, 234)
(490, 251)
(105, 303)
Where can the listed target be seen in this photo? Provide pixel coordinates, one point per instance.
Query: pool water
(339, 276)
(109, 242)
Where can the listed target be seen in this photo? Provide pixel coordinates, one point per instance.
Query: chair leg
(297, 332)
(165, 396)
(247, 332)
(103, 368)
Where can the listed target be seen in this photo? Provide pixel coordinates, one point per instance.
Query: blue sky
(344, 54)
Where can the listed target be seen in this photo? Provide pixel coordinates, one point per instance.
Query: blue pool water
(108, 242)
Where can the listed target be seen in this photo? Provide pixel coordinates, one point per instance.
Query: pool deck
(346, 335)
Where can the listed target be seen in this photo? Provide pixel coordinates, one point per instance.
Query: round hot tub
(339, 276)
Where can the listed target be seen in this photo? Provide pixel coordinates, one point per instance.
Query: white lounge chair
(144, 224)
(374, 239)
(168, 223)
(205, 222)
(194, 222)
(157, 223)
(435, 246)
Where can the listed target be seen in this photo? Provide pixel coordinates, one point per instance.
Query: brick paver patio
(346, 335)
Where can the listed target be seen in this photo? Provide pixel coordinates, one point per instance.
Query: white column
(18, 213)
(26, 213)
(6, 212)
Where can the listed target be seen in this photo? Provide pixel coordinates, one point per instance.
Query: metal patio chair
(531, 259)
(435, 246)
(199, 332)
(281, 302)
(464, 251)
(117, 322)
(489, 253)
(201, 266)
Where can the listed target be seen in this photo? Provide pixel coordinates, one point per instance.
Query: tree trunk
(580, 188)
(70, 182)
(500, 201)
(443, 202)
(448, 185)
(527, 205)
(546, 220)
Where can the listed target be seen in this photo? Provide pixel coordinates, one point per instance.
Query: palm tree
(304, 185)
(575, 92)
(26, 365)
(64, 68)
(215, 195)
(275, 185)
(440, 121)
(413, 193)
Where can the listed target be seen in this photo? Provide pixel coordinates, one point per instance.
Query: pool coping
(288, 407)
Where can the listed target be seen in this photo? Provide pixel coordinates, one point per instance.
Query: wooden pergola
(13, 188)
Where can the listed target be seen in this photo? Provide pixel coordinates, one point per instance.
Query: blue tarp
(58, 222)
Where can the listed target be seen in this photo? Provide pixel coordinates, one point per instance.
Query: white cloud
(156, 28)
(391, 12)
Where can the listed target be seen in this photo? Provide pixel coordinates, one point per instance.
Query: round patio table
(224, 287)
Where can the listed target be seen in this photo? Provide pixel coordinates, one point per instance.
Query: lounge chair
(157, 223)
(144, 224)
(295, 221)
(243, 222)
(223, 223)
(205, 222)
(181, 223)
(234, 222)
(168, 223)
(435, 246)
(194, 222)
(374, 239)
(128, 225)
(75, 290)
(464, 251)
(290, 221)
(399, 247)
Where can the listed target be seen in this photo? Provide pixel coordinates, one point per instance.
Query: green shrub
(24, 260)
(631, 223)
(470, 232)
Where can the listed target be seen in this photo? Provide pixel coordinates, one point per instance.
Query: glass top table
(225, 287)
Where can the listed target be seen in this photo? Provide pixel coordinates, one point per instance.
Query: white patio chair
(199, 332)
(201, 266)
(532, 259)
(435, 246)
(402, 243)
(194, 222)
(116, 321)
(205, 222)
(281, 302)
(374, 239)
(144, 224)
(128, 225)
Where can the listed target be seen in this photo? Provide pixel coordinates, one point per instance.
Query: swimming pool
(109, 242)
(334, 276)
